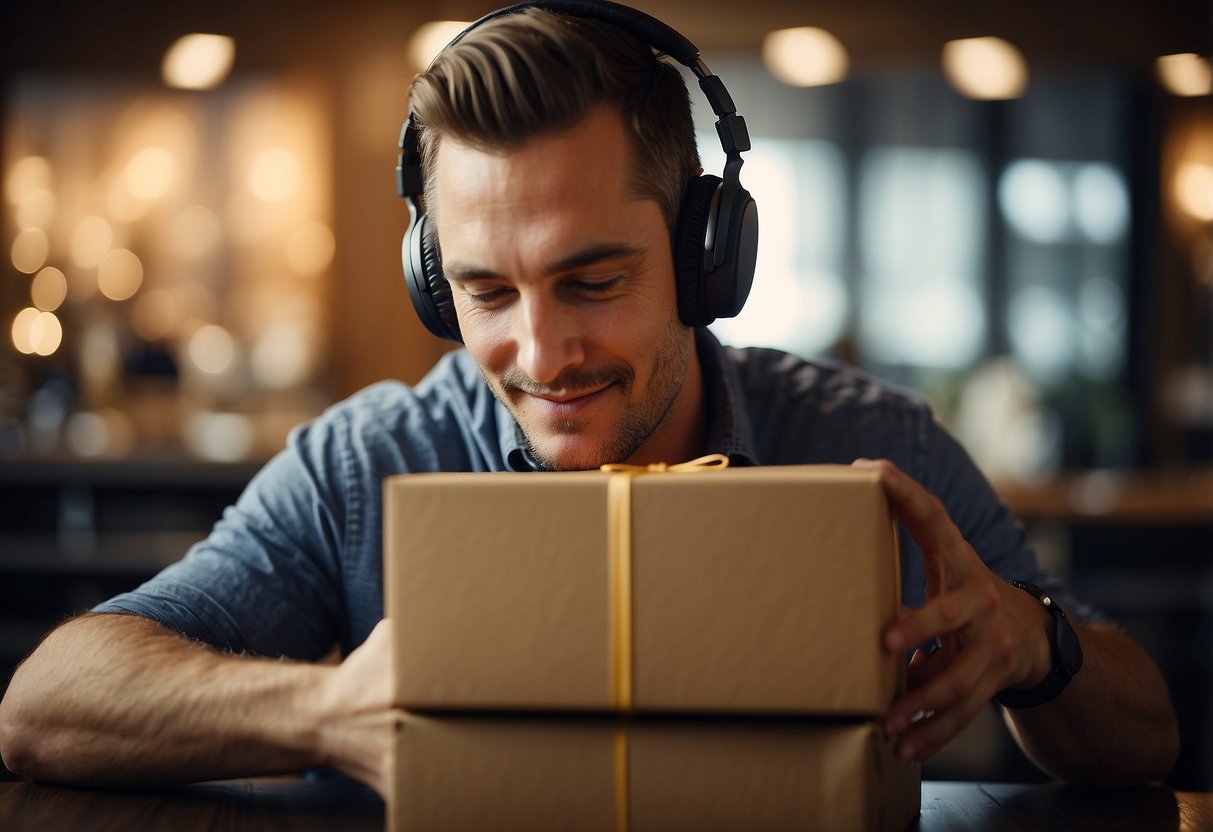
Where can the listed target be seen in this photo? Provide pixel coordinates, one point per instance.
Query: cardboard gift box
(751, 590)
(473, 773)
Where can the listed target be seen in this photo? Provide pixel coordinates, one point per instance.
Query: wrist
(292, 723)
(1037, 624)
(1065, 655)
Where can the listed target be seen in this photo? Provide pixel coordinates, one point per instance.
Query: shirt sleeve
(987, 524)
(266, 581)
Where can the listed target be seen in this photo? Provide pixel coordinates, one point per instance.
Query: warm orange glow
(282, 356)
(156, 315)
(49, 289)
(91, 241)
(30, 174)
(196, 232)
(1194, 190)
(431, 38)
(986, 68)
(1186, 74)
(198, 62)
(310, 248)
(36, 333)
(120, 274)
(275, 175)
(150, 173)
(36, 209)
(805, 56)
(30, 250)
(212, 349)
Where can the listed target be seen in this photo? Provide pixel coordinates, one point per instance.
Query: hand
(992, 634)
(359, 721)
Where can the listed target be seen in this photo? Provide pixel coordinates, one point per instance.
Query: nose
(549, 339)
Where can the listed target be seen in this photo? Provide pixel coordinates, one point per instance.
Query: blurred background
(1005, 206)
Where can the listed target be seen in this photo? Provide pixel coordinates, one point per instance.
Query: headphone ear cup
(440, 287)
(428, 288)
(688, 248)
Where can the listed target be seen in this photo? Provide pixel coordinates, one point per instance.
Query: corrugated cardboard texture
(755, 590)
(455, 773)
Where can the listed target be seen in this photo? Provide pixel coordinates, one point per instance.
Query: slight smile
(567, 406)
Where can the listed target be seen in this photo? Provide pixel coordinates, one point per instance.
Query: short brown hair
(533, 73)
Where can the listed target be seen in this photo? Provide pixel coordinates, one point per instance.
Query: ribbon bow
(703, 463)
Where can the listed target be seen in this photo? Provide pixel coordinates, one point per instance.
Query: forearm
(120, 699)
(1113, 724)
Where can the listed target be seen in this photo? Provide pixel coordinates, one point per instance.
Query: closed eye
(486, 298)
(600, 287)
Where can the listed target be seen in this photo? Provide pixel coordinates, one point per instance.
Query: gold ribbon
(619, 560)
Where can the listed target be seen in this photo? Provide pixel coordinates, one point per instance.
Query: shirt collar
(729, 430)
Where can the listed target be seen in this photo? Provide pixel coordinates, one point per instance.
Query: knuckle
(1004, 647)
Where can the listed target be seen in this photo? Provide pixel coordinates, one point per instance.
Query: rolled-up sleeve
(267, 579)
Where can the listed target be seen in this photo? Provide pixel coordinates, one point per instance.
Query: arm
(1113, 724)
(117, 699)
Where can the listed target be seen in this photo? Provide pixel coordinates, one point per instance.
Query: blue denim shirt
(296, 564)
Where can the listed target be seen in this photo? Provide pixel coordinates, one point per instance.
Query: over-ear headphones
(715, 243)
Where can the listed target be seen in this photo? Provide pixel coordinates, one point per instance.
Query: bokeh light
(36, 333)
(805, 56)
(198, 61)
(986, 68)
(211, 349)
(48, 289)
(30, 250)
(91, 241)
(32, 173)
(1186, 74)
(275, 175)
(120, 274)
(431, 38)
(150, 173)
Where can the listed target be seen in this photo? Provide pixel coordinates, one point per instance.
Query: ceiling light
(985, 68)
(198, 62)
(805, 56)
(1186, 74)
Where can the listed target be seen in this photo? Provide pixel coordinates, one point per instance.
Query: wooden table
(337, 804)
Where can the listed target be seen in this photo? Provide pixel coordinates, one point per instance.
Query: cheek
(486, 337)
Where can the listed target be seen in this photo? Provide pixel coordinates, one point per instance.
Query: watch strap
(1060, 675)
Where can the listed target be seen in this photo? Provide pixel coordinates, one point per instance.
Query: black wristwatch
(1067, 657)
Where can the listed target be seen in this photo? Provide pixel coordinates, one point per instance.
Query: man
(556, 152)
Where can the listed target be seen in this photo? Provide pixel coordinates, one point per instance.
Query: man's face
(564, 287)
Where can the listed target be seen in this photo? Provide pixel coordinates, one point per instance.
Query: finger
(935, 729)
(922, 513)
(940, 615)
(964, 677)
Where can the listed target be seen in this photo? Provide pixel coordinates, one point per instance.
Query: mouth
(566, 405)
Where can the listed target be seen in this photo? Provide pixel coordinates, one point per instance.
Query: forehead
(585, 164)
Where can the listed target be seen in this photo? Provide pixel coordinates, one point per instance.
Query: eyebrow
(588, 256)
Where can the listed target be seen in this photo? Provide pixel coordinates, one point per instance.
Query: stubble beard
(637, 424)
